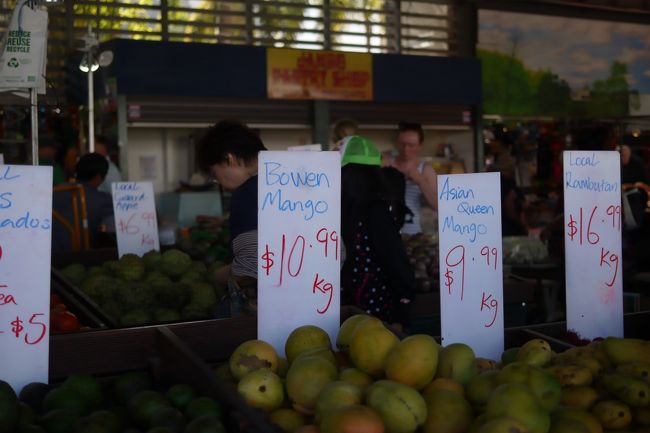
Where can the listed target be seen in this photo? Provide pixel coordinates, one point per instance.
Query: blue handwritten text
(309, 208)
(274, 175)
(450, 193)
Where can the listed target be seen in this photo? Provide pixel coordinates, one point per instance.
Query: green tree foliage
(140, 18)
(611, 97)
(510, 88)
(507, 85)
(553, 95)
(278, 20)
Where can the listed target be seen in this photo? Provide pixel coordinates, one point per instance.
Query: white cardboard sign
(25, 248)
(136, 224)
(592, 242)
(23, 49)
(471, 265)
(299, 217)
(306, 147)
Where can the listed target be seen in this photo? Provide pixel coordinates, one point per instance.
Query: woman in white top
(421, 187)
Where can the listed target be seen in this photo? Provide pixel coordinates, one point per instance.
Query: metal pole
(34, 115)
(91, 107)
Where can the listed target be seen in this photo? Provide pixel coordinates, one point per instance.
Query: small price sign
(135, 217)
(592, 217)
(299, 211)
(471, 273)
(25, 220)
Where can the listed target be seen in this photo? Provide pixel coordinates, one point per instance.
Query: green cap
(359, 150)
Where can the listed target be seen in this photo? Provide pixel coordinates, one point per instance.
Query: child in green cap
(377, 276)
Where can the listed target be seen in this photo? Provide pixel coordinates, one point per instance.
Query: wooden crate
(161, 352)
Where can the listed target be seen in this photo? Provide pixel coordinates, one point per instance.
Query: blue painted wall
(235, 71)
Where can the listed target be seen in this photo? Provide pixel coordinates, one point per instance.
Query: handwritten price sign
(592, 217)
(25, 219)
(135, 217)
(299, 212)
(471, 273)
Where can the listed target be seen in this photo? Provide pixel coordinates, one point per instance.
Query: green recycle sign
(13, 63)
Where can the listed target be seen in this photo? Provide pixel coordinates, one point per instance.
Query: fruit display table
(189, 352)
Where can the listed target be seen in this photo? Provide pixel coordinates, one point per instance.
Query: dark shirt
(388, 251)
(634, 171)
(99, 208)
(511, 226)
(243, 229)
(243, 208)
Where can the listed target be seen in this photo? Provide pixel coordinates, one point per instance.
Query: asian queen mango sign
(305, 74)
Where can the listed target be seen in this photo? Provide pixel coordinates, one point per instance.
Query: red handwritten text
(459, 251)
(324, 288)
(488, 303)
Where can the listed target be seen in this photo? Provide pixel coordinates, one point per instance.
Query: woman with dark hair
(376, 276)
(229, 152)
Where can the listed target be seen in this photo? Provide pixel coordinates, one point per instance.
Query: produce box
(68, 313)
(154, 289)
(108, 354)
(635, 326)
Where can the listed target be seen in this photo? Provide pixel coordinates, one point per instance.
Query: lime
(108, 419)
(205, 424)
(144, 404)
(59, 421)
(65, 398)
(27, 415)
(9, 408)
(129, 384)
(168, 417)
(88, 387)
(33, 394)
(180, 395)
(88, 425)
(201, 406)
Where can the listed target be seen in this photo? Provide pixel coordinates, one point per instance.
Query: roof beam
(609, 11)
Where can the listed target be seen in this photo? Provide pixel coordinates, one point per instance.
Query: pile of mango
(377, 383)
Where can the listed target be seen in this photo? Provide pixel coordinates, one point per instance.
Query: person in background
(344, 128)
(70, 156)
(229, 152)
(47, 156)
(90, 172)
(633, 170)
(512, 199)
(396, 183)
(113, 175)
(421, 188)
(376, 275)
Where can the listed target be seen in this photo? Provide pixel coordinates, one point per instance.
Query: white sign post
(471, 265)
(136, 224)
(592, 239)
(23, 56)
(299, 217)
(25, 247)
